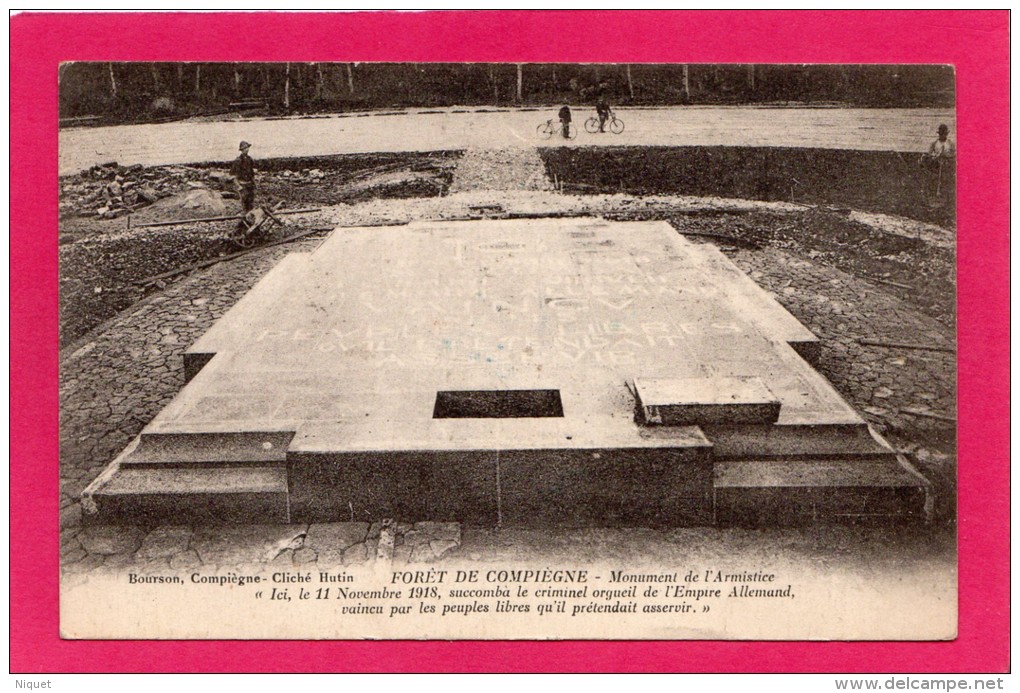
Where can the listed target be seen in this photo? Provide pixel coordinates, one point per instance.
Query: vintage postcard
(417, 350)
(509, 349)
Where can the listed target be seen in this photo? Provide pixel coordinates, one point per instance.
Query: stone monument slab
(490, 371)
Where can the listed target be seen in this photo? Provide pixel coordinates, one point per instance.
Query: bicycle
(550, 128)
(614, 123)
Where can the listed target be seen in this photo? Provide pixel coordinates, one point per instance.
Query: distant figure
(565, 121)
(942, 148)
(243, 171)
(939, 162)
(603, 110)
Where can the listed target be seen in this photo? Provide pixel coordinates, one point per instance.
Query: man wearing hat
(243, 171)
(939, 163)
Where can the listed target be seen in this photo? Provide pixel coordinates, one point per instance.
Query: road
(903, 130)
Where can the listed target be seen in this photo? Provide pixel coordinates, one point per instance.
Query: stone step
(197, 449)
(879, 488)
(232, 494)
(815, 440)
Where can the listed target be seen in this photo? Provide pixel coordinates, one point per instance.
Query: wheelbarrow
(253, 227)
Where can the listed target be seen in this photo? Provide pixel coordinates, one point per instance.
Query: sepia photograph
(508, 350)
(419, 337)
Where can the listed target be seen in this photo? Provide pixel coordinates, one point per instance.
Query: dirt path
(901, 130)
(500, 169)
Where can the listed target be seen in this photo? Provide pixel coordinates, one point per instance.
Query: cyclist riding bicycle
(565, 121)
(603, 110)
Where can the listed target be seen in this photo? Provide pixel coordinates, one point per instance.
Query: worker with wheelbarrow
(253, 219)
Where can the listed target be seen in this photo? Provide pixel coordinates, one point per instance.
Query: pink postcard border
(975, 42)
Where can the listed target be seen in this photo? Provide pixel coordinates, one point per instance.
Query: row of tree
(153, 90)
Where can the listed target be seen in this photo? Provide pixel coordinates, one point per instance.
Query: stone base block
(631, 487)
(409, 486)
(613, 487)
(794, 492)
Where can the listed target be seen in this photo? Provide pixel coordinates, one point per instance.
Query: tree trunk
(198, 78)
(113, 81)
(237, 80)
(350, 78)
(156, 82)
(750, 77)
(286, 89)
(520, 80)
(180, 76)
(495, 84)
(630, 83)
(687, 83)
(319, 80)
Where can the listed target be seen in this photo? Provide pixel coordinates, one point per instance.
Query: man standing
(243, 171)
(942, 149)
(939, 162)
(565, 122)
(602, 109)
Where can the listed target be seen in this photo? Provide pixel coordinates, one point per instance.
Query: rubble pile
(378, 177)
(406, 178)
(304, 176)
(111, 190)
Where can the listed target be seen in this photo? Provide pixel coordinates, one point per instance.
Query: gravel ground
(500, 169)
(874, 248)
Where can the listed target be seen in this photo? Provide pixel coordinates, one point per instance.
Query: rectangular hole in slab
(497, 404)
